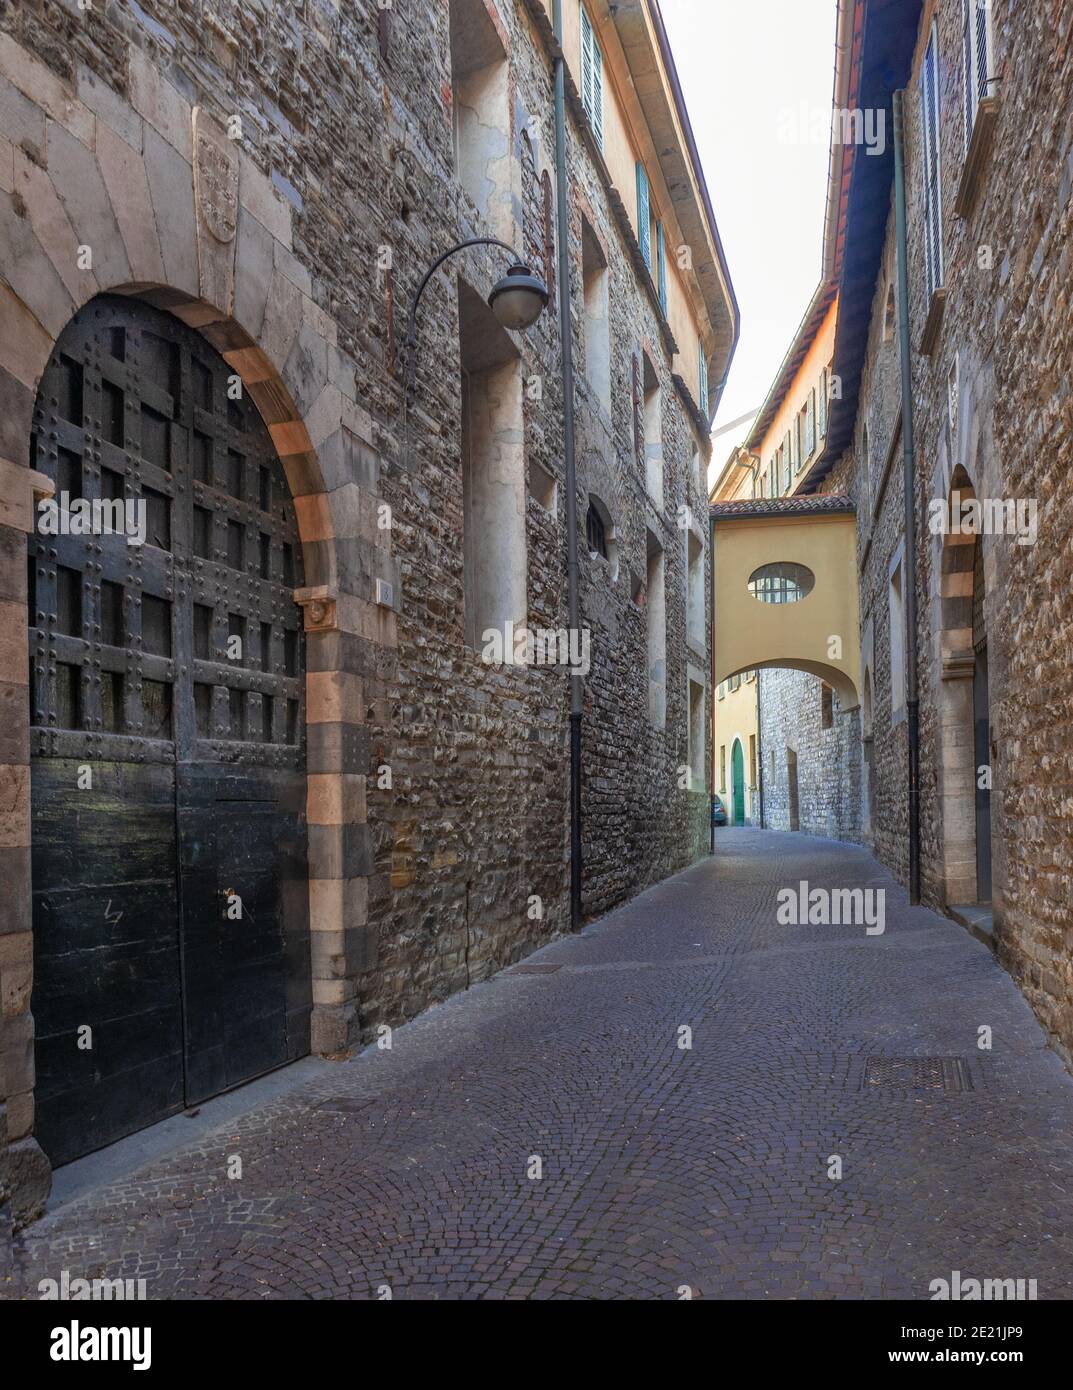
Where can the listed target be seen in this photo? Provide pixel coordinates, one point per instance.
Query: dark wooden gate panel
(172, 671)
(106, 953)
(240, 853)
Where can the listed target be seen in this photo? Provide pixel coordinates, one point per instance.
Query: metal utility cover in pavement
(917, 1074)
(346, 1105)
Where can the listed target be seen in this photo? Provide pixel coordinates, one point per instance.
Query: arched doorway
(170, 901)
(737, 782)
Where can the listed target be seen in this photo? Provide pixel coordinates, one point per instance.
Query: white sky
(757, 78)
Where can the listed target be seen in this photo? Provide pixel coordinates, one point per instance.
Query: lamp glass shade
(519, 298)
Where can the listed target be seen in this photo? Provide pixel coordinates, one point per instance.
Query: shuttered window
(977, 47)
(786, 463)
(933, 212)
(661, 266)
(644, 215)
(702, 385)
(822, 404)
(592, 78)
(810, 424)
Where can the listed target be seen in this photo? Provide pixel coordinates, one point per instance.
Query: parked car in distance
(719, 811)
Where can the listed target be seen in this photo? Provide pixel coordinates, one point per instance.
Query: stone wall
(990, 413)
(828, 759)
(438, 783)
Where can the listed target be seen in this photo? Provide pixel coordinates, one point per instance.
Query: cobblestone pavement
(662, 1167)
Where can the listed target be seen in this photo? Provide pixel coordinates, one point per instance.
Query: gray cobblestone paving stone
(662, 1168)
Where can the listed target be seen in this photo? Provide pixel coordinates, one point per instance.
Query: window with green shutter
(933, 207)
(810, 424)
(644, 215)
(661, 266)
(592, 78)
(702, 385)
(978, 43)
(822, 405)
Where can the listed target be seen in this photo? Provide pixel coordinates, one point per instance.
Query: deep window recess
(644, 215)
(978, 49)
(592, 78)
(595, 532)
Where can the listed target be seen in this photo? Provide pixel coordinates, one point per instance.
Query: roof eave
(684, 177)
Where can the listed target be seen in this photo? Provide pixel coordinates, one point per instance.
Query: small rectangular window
(933, 216)
(978, 53)
(644, 215)
(661, 266)
(592, 78)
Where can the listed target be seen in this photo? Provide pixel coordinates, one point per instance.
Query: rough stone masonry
(990, 353)
(278, 177)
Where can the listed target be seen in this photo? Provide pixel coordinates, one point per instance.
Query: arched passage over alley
(785, 589)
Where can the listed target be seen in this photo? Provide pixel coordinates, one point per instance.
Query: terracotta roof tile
(831, 503)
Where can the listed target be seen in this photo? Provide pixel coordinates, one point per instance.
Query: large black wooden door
(171, 939)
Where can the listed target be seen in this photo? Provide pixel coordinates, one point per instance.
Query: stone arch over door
(174, 214)
(963, 660)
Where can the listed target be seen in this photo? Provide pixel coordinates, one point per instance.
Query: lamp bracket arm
(411, 326)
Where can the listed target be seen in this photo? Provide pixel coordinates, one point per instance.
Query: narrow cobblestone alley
(662, 1167)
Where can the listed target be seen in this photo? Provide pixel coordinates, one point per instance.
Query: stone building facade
(272, 183)
(988, 155)
(812, 772)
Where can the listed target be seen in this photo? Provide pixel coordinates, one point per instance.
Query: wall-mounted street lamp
(517, 300)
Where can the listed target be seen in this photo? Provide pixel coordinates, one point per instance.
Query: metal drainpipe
(759, 748)
(569, 463)
(912, 703)
(711, 680)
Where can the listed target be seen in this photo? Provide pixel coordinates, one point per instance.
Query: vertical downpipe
(711, 681)
(569, 464)
(912, 701)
